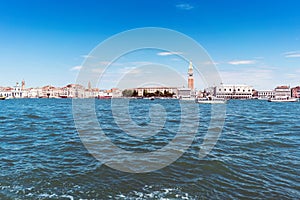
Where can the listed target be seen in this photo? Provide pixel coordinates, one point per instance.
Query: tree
(127, 93)
(156, 93)
(168, 94)
(145, 93)
(135, 93)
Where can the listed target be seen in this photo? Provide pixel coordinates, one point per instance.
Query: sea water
(256, 156)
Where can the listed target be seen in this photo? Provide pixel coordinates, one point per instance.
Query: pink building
(296, 92)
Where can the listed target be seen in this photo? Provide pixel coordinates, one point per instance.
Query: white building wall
(184, 93)
(34, 92)
(282, 91)
(234, 91)
(266, 94)
(5, 94)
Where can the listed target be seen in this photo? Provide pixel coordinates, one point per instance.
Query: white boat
(263, 98)
(187, 98)
(211, 100)
(283, 99)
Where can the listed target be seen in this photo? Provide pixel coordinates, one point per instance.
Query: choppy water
(256, 157)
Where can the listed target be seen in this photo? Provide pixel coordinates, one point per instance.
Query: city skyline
(255, 43)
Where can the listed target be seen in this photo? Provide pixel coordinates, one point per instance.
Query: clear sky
(254, 42)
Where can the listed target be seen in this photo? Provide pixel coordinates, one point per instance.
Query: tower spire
(190, 76)
(89, 85)
(23, 84)
(191, 65)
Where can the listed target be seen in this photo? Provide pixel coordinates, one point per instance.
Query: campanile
(191, 77)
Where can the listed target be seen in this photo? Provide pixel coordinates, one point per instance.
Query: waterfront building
(34, 93)
(108, 94)
(265, 94)
(6, 92)
(73, 91)
(152, 90)
(232, 91)
(296, 92)
(184, 93)
(282, 91)
(50, 92)
(17, 91)
(116, 93)
(91, 93)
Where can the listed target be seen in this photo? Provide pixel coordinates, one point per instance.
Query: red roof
(282, 87)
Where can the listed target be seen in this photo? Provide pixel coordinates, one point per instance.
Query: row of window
(231, 94)
(234, 94)
(234, 97)
(11, 94)
(265, 93)
(234, 90)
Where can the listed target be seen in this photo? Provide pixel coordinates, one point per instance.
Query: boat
(283, 99)
(211, 100)
(2, 98)
(104, 97)
(263, 98)
(187, 98)
(63, 96)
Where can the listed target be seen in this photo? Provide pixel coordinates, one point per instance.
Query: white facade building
(17, 91)
(73, 91)
(233, 91)
(112, 93)
(34, 92)
(5, 93)
(282, 91)
(184, 93)
(265, 94)
(69, 91)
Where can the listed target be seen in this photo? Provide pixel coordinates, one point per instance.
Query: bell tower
(191, 77)
(23, 85)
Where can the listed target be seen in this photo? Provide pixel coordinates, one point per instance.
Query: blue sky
(252, 42)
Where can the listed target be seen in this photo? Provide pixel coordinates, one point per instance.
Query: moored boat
(283, 99)
(63, 96)
(263, 98)
(2, 98)
(211, 100)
